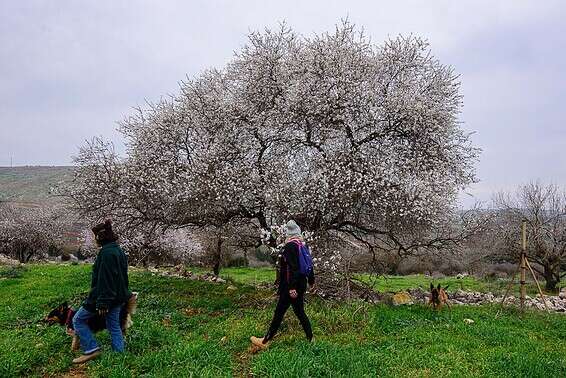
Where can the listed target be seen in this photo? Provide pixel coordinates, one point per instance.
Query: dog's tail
(131, 308)
(132, 304)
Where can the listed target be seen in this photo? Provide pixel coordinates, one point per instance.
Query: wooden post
(538, 286)
(523, 263)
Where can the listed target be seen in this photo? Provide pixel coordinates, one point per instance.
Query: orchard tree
(544, 209)
(354, 141)
(28, 232)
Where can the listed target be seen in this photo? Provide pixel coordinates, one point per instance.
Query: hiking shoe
(258, 342)
(87, 357)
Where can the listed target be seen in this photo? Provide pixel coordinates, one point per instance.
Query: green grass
(247, 276)
(468, 283)
(386, 284)
(211, 339)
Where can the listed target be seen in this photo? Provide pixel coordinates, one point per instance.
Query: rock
(231, 288)
(179, 268)
(5, 260)
(469, 321)
(402, 298)
(188, 274)
(167, 321)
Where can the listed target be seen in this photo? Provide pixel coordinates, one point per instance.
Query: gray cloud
(69, 70)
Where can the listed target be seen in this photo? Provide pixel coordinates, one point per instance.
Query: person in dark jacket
(292, 287)
(108, 294)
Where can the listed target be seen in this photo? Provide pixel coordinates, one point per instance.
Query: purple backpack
(305, 259)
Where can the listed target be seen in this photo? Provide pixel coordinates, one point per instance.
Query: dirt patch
(76, 372)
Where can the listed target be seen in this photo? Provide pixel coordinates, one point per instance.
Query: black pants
(283, 304)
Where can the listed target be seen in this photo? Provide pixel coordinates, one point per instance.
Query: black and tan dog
(438, 296)
(63, 315)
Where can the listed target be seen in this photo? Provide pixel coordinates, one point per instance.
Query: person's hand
(293, 293)
(102, 311)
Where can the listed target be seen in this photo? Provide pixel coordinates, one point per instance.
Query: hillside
(31, 184)
(194, 328)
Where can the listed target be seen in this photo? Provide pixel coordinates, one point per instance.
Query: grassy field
(468, 283)
(30, 184)
(247, 276)
(193, 328)
(387, 283)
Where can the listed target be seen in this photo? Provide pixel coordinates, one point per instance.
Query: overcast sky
(70, 69)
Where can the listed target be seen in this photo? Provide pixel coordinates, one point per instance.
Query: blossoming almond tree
(31, 232)
(355, 141)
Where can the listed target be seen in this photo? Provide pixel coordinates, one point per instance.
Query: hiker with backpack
(296, 270)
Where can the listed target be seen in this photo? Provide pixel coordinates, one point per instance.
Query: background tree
(30, 232)
(544, 209)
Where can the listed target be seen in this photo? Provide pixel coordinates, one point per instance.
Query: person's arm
(311, 278)
(125, 259)
(107, 273)
(291, 253)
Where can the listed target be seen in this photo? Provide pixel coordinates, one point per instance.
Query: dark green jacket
(109, 285)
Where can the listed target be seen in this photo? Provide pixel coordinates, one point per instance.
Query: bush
(237, 262)
(263, 254)
(12, 272)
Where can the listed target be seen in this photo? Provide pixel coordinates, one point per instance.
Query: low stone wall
(180, 271)
(7, 261)
(461, 297)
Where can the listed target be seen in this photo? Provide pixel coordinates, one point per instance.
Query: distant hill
(31, 184)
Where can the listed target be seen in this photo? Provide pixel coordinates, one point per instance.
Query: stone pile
(180, 271)
(461, 297)
(5, 260)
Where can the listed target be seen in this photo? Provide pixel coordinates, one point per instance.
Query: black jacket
(290, 276)
(109, 284)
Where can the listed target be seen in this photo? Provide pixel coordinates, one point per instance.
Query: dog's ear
(431, 287)
(438, 287)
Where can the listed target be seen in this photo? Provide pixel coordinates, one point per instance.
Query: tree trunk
(246, 261)
(22, 255)
(217, 257)
(550, 278)
(29, 255)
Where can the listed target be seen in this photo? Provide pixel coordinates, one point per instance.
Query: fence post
(523, 262)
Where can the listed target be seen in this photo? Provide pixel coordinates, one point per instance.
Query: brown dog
(63, 315)
(438, 296)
